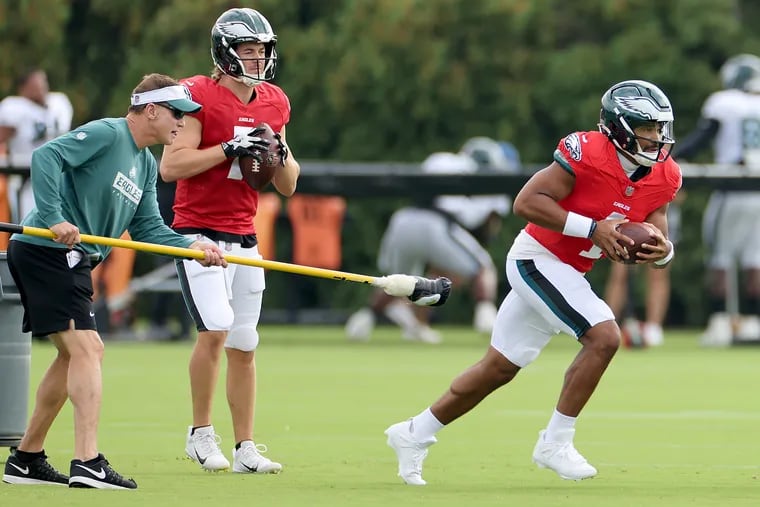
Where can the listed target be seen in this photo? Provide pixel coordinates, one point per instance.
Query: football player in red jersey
(213, 202)
(596, 181)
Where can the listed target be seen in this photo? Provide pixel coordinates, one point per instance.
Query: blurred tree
(398, 79)
(31, 35)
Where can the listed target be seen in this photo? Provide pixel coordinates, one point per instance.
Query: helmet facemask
(633, 104)
(622, 134)
(238, 68)
(235, 27)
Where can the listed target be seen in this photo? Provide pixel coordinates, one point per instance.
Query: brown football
(259, 174)
(640, 233)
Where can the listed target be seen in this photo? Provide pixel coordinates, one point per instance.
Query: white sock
(425, 425)
(402, 315)
(558, 425)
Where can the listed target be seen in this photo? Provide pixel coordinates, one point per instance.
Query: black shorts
(52, 293)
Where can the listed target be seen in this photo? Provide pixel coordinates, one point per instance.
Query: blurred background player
(448, 238)
(28, 120)
(620, 293)
(730, 118)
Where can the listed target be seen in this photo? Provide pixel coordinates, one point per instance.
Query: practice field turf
(673, 426)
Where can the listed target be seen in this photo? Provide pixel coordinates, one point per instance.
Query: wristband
(578, 226)
(668, 257)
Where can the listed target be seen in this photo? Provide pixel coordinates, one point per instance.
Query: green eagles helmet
(631, 104)
(243, 25)
(739, 70)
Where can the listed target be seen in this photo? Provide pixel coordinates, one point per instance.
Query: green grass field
(674, 426)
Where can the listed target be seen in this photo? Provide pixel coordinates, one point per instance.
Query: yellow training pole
(190, 253)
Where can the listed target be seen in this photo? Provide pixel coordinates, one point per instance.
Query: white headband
(161, 95)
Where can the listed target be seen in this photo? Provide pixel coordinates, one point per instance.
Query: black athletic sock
(192, 432)
(28, 457)
(95, 460)
(749, 305)
(717, 304)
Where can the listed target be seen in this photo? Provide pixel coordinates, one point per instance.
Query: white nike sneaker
(562, 457)
(360, 325)
(422, 333)
(248, 460)
(409, 451)
(203, 447)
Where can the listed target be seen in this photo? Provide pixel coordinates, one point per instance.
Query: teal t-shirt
(96, 178)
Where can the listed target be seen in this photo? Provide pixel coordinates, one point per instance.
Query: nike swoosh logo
(92, 314)
(254, 469)
(24, 471)
(100, 475)
(201, 461)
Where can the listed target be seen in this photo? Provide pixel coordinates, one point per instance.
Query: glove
(281, 148)
(246, 144)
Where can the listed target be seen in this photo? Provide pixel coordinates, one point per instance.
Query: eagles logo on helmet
(234, 27)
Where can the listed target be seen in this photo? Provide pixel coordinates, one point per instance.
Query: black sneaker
(39, 471)
(98, 474)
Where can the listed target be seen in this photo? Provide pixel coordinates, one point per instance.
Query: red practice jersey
(602, 191)
(219, 199)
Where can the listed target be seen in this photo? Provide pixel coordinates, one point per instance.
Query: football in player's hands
(258, 168)
(640, 233)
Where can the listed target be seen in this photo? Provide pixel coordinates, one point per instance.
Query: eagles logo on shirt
(573, 146)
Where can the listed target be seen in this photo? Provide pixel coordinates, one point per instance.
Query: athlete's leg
(205, 362)
(206, 296)
(85, 387)
(52, 393)
(247, 293)
(657, 303)
(616, 289)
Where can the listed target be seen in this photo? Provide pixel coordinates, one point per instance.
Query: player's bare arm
(538, 200)
(658, 220)
(286, 178)
(183, 159)
(6, 133)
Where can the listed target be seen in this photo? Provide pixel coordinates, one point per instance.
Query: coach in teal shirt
(99, 179)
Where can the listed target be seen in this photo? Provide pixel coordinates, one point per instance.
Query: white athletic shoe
(409, 451)
(249, 460)
(422, 333)
(562, 457)
(748, 329)
(360, 325)
(485, 316)
(631, 330)
(203, 447)
(652, 334)
(719, 332)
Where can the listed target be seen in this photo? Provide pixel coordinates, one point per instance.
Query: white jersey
(34, 124)
(738, 137)
(730, 217)
(470, 211)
